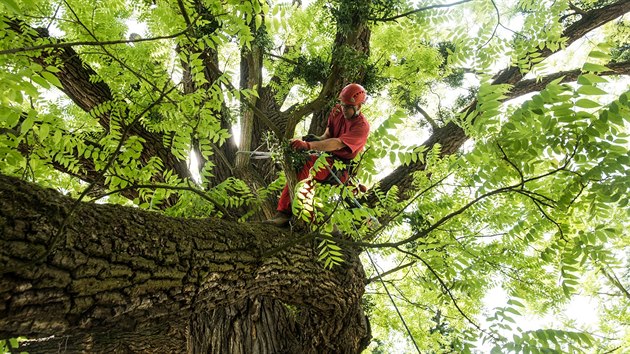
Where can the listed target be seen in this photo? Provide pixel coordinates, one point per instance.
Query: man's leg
(283, 216)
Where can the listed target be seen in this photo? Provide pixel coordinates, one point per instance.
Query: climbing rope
(402, 319)
(391, 298)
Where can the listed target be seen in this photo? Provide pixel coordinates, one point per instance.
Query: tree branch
(451, 137)
(61, 45)
(589, 21)
(57, 236)
(507, 189)
(437, 6)
(75, 77)
(524, 87)
(198, 192)
(108, 53)
(615, 281)
(426, 116)
(448, 292)
(393, 270)
(494, 32)
(260, 114)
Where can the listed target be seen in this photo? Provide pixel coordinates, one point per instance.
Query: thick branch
(358, 39)
(524, 87)
(451, 137)
(74, 75)
(434, 125)
(589, 21)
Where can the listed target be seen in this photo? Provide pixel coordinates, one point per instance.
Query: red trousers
(284, 204)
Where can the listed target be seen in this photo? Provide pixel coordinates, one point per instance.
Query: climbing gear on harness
(352, 198)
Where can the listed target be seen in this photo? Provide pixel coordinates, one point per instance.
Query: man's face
(348, 110)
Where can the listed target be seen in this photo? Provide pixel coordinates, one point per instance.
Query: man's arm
(326, 135)
(330, 144)
(323, 142)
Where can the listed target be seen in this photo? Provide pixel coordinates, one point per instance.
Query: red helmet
(353, 94)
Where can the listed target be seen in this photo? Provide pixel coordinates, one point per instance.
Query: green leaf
(41, 81)
(599, 55)
(586, 103)
(11, 118)
(515, 303)
(513, 310)
(594, 67)
(27, 124)
(11, 5)
(594, 79)
(591, 90)
(51, 78)
(43, 131)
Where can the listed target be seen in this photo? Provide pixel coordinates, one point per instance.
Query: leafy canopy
(535, 205)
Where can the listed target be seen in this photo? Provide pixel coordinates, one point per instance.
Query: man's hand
(298, 145)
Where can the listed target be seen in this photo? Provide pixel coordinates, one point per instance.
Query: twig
(393, 18)
(292, 62)
(383, 225)
(506, 158)
(54, 16)
(613, 279)
(163, 186)
(448, 291)
(394, 270)
(88, 43)
(494, 32)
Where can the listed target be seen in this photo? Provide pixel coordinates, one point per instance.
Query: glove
(298, 145)
(310, 137)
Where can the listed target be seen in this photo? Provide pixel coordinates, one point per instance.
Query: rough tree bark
(122, 280)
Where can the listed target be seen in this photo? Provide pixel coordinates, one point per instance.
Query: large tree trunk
(125, 280)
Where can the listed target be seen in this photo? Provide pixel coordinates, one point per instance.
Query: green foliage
(621, 37)
(12, 345)
(536, 205)
(329, 253)
(379, 143)
(313, 71)
(560, 160)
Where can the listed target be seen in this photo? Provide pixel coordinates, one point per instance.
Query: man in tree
(345, 136)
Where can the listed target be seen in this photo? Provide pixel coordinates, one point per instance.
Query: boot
(281, 219)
